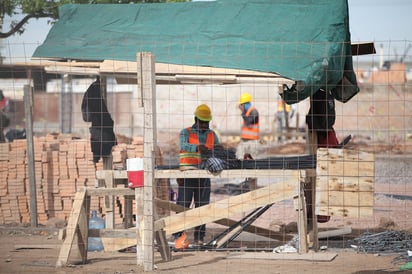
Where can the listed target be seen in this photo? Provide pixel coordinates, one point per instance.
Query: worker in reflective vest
(250, 118)
(249, 135)
(195, 141)
(283, 114)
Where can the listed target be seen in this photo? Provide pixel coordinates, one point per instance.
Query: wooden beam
(230, 206)
(302, 220)
(147, 86)
(314, 257)
(72, 228)
(282, 237)
(310, 191)
(110, 191)
(109, 199)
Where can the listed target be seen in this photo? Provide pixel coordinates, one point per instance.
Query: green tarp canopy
(307, 41)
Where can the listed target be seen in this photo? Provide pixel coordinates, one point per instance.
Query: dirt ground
(35, 250)
(16, 259)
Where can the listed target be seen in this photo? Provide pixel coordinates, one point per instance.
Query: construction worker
(250, 134)
(195, 141)
(283, 113)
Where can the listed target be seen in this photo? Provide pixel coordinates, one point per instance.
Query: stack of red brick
(62, 165)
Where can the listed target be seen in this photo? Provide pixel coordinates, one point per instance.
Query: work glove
(202, 149)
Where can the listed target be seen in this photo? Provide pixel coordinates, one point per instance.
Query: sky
(386, 22)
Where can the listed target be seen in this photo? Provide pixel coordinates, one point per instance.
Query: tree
(47, 9)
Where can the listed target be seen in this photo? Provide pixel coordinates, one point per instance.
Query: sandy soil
(42, 260)
(35, 250)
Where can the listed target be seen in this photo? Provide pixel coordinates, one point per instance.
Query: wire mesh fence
(260, 209)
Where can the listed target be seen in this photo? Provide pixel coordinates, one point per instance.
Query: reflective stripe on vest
(250, 132)
(194, 158)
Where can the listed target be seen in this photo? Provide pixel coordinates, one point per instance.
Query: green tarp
(304, 40)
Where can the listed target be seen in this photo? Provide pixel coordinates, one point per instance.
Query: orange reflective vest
(249, 132)
(194, 158)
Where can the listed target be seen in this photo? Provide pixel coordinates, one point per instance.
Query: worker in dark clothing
(94, 109)
(195, 141)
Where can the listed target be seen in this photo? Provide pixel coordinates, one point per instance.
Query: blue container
(94, 243)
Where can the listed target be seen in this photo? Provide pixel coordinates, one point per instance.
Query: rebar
(384, 242)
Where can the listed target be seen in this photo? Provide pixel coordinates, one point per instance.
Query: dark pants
(199, 191)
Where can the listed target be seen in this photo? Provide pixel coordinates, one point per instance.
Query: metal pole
(28, 110)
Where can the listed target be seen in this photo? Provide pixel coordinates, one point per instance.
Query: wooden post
(109, 199)
(28, 110)
(310, 189)
(128, 211)
(147, 84)
(302, 221)
(107, 165)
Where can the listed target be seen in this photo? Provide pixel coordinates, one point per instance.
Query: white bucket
(135, 172)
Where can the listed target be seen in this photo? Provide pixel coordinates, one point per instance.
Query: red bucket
(135, 172)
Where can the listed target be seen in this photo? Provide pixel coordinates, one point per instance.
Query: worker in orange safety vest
(249, 134)
(195, 141)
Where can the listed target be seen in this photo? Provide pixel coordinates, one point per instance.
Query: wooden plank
(110, 191)
(343, 167)
(345, 183)
(117, 174)
(116, 244)
(115, 66)
(302, 221)
(334, 232)
(346, 199)
(82, 233)
(230, 206)
(113, 233)
(109, 199)
(314, 257)
(71, 228)
(229, 222)
(345, 211)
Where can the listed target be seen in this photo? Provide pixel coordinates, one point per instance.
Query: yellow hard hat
(245, 98)
(203, 113)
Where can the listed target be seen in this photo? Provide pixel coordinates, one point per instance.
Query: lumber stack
(62, 165)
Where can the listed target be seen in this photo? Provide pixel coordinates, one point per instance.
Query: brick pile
(63, 164)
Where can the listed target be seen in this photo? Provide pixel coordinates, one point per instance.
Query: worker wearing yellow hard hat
(245, 98)
(203, 113)
(195, 141)
(249, 134)
(250, 118)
